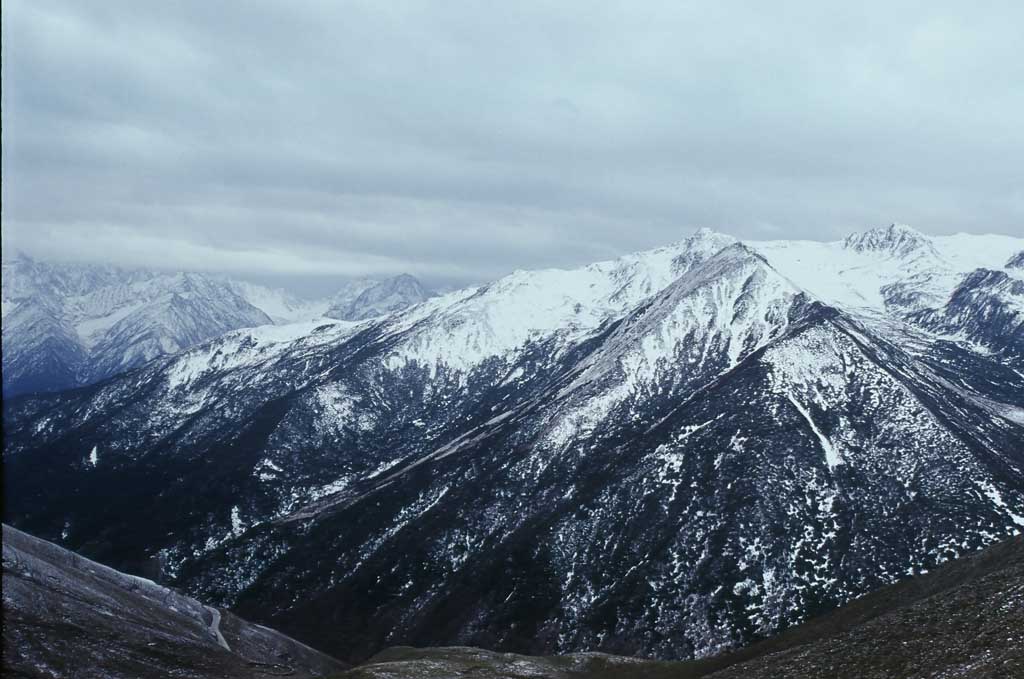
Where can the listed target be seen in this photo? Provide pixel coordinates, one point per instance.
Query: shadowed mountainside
(965, 619)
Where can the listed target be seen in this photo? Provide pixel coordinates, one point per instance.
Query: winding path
(215, 627)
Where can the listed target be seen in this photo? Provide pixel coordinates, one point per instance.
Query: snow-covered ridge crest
(895, 270)
(252, 346)
(463, 329)
(735, 297)
(133, 317)
(701, 325)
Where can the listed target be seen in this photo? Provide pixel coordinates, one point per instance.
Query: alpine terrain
(670, 454)
(67, 325)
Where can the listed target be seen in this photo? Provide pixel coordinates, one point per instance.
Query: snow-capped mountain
(895, 240)
(355, 300)
(368, 298)
(670, 453)
(935, 283)
(987, 308)
(67, 325)
(281, 306)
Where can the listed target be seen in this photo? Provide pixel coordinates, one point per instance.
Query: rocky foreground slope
(66, 617)
(670, 454)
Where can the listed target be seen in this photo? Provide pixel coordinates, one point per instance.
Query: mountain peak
(706, 235)
(704, 232)
(661, 406)
(896, 239)
(734, 256)
(1017, 261)
(17, 256)
(698, 247)
(405, 281)
(377, 298)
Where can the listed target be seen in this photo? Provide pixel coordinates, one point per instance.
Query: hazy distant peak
(16, 256)
(368, 299)
(896, 239)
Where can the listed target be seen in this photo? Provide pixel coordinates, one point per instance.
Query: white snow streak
(832, 456)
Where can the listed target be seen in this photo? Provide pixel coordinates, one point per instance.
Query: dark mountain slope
(66, 616)
(987, 307)
(962, 620)
(623, 539)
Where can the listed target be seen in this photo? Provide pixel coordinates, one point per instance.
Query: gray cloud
(461, 140)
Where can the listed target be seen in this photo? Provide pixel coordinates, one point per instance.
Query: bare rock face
(67, 616)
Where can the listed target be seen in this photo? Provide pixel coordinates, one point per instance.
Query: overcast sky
(461, 140)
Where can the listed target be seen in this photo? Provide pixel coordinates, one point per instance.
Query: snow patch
(237, 527)
(997, 499)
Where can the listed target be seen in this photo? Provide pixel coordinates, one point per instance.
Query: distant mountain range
(671, 454)
(68, 325)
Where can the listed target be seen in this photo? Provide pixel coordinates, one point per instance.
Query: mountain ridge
(518, 465)
(68, 325)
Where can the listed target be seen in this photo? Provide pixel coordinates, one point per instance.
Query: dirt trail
(215, 627)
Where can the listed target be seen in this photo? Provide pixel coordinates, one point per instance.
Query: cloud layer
(460, 140)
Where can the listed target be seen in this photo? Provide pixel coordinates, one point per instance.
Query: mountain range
(672, 454)
(68, 325)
